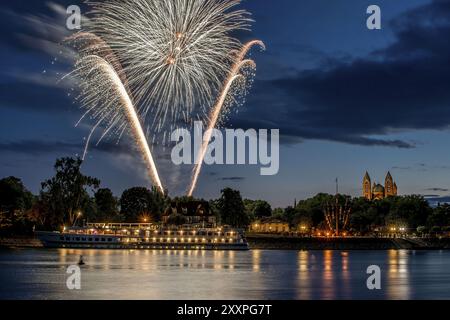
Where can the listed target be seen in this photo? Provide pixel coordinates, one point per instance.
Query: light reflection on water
(255, 274)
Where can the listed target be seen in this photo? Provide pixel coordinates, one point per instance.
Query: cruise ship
(144, 236)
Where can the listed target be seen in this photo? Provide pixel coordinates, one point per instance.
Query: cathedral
(377, 191)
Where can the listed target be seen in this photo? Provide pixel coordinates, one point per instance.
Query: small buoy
(81, 262)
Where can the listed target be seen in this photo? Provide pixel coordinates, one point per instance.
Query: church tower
(367, 187)
(389, 188)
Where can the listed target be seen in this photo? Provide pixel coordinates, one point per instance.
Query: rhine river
(255, 274)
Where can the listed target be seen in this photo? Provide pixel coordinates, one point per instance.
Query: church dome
(378, 189)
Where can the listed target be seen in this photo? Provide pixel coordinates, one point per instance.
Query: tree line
(70, 197)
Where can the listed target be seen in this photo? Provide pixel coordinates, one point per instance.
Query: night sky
(346, 99)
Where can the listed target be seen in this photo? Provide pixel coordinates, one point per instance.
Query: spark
(218, 107)
(175, 53)
(112, 94)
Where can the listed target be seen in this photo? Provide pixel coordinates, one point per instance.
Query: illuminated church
(377, 191)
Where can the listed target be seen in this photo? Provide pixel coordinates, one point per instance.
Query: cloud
(39, 147)
(404, 87)
(232, 179)
(437, 189)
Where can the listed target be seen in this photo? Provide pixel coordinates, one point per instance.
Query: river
(254, 274)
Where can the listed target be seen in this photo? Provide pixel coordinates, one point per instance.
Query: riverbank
(274, 242)
(20, 242)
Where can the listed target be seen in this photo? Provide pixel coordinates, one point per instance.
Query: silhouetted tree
(66, 194)
(137, 202)
(106, 205)
(232, 209)
(15, 201)
(257, 208)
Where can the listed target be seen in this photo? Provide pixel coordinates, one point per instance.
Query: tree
(412, 210)
(232, 209)
(257, 208)
(15, 200)
(262, 209)
(66, 194)
(107, 205)
(439, 217)
(314, 207)
(139, 202)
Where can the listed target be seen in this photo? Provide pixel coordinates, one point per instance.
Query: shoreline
(278, 242)
(275, 242)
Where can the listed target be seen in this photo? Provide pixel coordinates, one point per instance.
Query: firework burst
(152, 62)
(175, 53)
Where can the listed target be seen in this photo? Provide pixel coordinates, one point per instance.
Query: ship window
(97, 239)
(90, 239)
(67, 239)
(61, 238)
(83, 239)
(109, 239)
(103, 239)
(78, 239)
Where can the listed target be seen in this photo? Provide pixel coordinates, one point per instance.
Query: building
(269, 225)
(193, 213)
(377, 191)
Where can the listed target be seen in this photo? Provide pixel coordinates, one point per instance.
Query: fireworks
(157, 63)
(175, 53)
(112, 95)
(218, 107)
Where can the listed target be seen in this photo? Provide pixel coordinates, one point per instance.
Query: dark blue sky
(345, 99)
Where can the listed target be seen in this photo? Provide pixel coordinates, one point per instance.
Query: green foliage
(232, 209)
(313, 207)
(106, 205)
(422, 229)
(66, 194)
(257, 209)
(440, 216)
(15, 201)
(138, 202)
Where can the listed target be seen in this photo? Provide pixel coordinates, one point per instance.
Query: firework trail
(111, 94)
(175, 53)
(218, 107)
(161, 60)
(89, 44)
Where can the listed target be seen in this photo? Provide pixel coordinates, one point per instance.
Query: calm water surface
(256, 274)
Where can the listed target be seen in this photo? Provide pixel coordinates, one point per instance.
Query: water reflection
(398, 279)
(346, 278)
(255, 274)
(303, 276)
